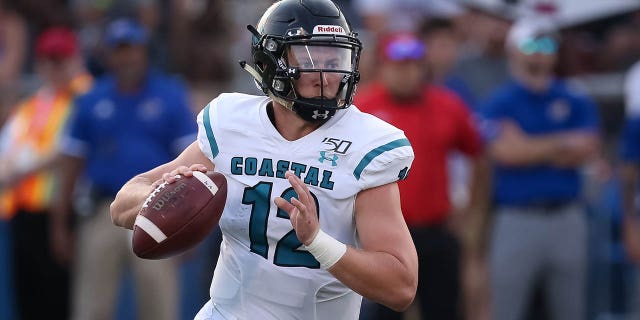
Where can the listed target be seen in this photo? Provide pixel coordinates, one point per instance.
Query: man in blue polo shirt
(132, 120)
(545, 133)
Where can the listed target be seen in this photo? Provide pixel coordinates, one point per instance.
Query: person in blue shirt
(132, 120)
(541, 131)
(630, 172)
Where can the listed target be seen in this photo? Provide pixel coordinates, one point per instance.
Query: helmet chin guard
(299, 40)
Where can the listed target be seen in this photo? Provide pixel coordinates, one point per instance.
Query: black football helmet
(297, 39)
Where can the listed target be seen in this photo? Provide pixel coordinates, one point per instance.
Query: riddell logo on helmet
(327, 29)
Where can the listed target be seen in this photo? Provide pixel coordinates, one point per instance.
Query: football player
(312, 220)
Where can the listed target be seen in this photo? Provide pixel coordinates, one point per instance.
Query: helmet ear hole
(278, 85)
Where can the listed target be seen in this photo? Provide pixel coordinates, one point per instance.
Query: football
(177, 216)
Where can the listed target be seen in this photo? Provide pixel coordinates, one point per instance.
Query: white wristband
(326, 249)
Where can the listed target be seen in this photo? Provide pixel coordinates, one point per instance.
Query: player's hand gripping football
(175, 174)
(303, 213)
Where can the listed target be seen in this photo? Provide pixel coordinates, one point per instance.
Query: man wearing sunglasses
(544, 131)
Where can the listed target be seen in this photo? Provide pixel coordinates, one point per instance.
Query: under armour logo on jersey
(333, 158)
(317, 115)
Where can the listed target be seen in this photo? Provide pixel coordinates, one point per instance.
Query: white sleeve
(384, 163)
(632, 91)
(206, 137)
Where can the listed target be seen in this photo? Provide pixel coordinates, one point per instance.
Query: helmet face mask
(318, 72)
(307, 57)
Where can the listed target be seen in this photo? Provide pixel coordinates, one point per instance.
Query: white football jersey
(263, 271)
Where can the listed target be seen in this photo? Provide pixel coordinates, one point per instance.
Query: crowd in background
(53, 51)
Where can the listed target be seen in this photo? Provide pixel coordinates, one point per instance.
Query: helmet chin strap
(285, 103)
(252, 71)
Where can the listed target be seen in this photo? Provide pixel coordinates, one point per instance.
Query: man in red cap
(437, 122)
(27, 146)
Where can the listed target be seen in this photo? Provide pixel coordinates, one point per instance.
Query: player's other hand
(177, 173)
(303, 213)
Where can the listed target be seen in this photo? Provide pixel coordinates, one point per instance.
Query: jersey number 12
(287, 252)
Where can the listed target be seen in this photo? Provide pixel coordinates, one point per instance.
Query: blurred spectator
(605, 45)
(546, 132)
(619, 47)
(379, 17)
(443, 46)
(630, 168)
(200, 46)
(242, 12)
(43, 14)
(27, 146)
(119, 129)
(611, 274)
(383, 16)
(13, 51)
(483, 65)
(349, 11)
(630, 156)
(93, 16)
(437, 122)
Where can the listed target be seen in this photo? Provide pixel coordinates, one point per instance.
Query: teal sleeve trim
(207, 127)
(376, 152)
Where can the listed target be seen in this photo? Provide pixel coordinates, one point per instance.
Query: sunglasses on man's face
(544, 45)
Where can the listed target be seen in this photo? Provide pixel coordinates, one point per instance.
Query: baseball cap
(56, 43)
(125, 31)
(533, 36)
(401, 46)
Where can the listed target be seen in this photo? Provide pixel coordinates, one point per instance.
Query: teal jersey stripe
(207, 127)
(376, 152)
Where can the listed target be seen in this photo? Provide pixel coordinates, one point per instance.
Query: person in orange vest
(28, 142)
